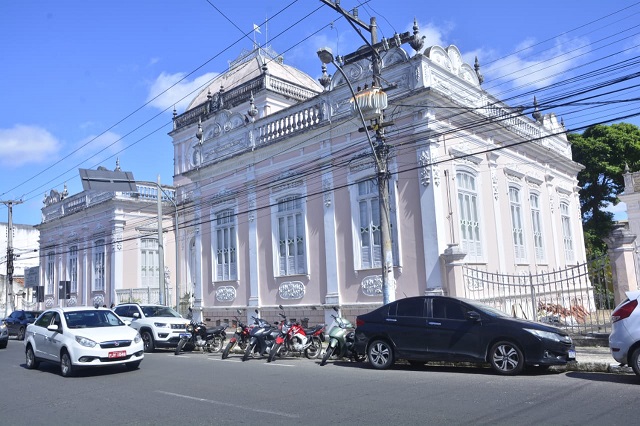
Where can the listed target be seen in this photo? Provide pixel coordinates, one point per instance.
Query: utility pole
(160, 246)
(9, 280)
(380, 148)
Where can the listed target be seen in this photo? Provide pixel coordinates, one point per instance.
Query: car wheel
(147, 339)
(66, 367)
(21, 333)
(634, 361)
(31, 360)
(380, 354)
(506, 358)
(133, 365)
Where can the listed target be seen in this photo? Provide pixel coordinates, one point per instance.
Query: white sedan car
(624, 340)
(82, 337)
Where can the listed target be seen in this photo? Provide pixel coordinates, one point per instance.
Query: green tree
(604, 151)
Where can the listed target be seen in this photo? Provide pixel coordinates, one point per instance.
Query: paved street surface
(202, 389)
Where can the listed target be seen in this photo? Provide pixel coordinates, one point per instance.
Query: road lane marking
(227, 404)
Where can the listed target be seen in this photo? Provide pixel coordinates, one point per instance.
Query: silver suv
(160, 326)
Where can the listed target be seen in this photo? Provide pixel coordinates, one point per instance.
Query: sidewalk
(592, 354)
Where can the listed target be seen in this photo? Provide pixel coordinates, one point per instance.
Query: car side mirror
(473, 316)
(53, 327)
(136, 315)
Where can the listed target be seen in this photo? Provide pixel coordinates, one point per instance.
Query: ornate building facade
(278, 192)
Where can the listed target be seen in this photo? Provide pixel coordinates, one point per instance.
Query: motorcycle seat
(310, 331)
(216, 329)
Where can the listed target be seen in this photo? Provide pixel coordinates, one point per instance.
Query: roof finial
(325, 80)
(117, 169)
(536, 113)
(476, 66)
(416, 41)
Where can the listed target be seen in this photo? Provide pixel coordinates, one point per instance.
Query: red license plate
(117, 354)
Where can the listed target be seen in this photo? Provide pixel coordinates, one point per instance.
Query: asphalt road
(194, 389)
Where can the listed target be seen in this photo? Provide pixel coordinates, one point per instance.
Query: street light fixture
(373, 102)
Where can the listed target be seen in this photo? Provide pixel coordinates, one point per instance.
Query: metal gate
(578, 298)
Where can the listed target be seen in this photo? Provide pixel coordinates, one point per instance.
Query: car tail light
(624, 311)
(359, 322)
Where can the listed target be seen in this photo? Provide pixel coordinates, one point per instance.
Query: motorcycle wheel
(327, 355)
(313, 351)
(180, 346)
(273, 352)
(218, 343)
(227, 349)
(248, 351)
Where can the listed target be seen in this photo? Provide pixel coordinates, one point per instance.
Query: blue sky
(81, 79)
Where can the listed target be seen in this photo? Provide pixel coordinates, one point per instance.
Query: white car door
(53, 339)
(41, 336)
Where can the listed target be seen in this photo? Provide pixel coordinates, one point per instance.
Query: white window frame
(368, 235)
(224, 245)
(72, 270)
(99, 265)
(149, 265)
(517, 224)
(537, 227)
(567, 233)
(289, 216)
(469, 214)
(50, 272)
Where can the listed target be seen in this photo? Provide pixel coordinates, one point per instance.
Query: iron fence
(578, 298)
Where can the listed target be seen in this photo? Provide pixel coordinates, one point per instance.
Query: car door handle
(392, 319)
(434, 323)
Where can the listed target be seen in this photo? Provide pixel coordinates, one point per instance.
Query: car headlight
(137, 338)
(85, 342)
(549, 335)
(161, 324)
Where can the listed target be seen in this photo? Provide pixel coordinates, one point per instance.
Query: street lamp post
(380, 151)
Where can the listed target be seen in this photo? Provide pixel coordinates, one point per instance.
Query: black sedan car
(438, 328)
(18, 321)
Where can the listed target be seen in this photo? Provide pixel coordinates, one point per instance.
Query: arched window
(369, 221)
(224, 243)
(536, 223)
(567, 235)
(73, 268)
(98, 265)
(291, 249)
(517, 230)
(50, 272)
(469, 214)
(149, 268)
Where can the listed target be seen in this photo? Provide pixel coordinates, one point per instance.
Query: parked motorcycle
(294, 338)
(240, 338)
(341, 340)
(199, 336)
(262, 336)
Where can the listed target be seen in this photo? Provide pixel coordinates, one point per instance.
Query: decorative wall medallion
(73, 301)
(98, 300)
(291, 290)
(372, 285)
(225, 293)
(48, 303)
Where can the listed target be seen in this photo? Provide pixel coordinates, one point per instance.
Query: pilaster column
(254, 271)
(331, 253)
(622, 256)
(454, 278)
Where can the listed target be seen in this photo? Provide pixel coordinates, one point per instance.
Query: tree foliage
(605, 152)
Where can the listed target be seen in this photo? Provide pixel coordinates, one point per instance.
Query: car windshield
(30, 315)
(489, 310)
(159, 311)
(92, 319)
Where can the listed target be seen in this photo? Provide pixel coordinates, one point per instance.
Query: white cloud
(534, 67)
(619, 210)
(23, 144)
(170, 89)
(95, 147)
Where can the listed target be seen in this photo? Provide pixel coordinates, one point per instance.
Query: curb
(595, 367)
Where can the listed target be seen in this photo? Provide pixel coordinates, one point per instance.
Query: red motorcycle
(294, 338)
